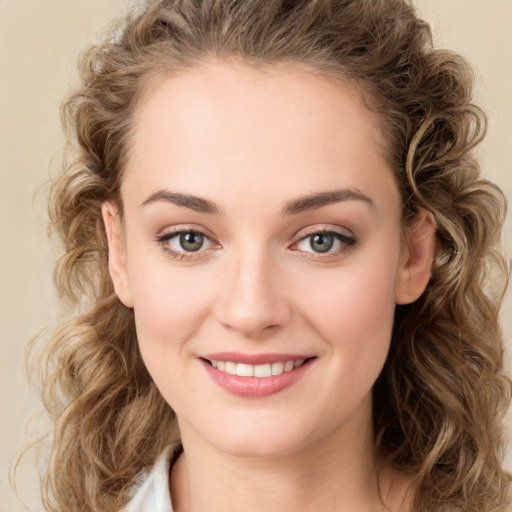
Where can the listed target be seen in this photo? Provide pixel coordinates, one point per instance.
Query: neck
(335, 473)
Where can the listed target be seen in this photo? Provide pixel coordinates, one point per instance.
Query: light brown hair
(440, 400)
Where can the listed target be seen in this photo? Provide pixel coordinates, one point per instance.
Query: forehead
(237, 126)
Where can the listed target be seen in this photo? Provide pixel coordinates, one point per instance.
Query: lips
(256, 376)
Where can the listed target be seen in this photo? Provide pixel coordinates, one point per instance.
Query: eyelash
(346, 244)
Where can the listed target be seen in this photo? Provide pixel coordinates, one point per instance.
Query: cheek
(169, 306)
(352, 309)
(358, 290)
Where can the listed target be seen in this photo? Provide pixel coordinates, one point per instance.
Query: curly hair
(438, 405)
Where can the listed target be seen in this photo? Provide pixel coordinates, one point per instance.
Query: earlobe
(416, 259)
(116, 253)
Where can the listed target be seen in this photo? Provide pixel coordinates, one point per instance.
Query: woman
(278, 246)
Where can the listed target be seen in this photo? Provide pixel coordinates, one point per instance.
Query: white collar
(151, 493)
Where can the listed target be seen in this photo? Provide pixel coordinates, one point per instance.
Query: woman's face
(261, 231)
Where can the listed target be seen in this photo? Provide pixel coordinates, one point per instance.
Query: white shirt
(151, 493)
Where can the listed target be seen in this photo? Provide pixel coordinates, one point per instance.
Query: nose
(252, 299)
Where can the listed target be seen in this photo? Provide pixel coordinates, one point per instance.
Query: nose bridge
(252, 300)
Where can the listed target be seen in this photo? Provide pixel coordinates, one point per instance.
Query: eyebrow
(188, 201)
(294, 207)
(319, 199)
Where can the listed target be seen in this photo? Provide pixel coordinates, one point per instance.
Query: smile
(256, 375)
(260, 370)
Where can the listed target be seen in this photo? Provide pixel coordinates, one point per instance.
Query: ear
(116, 253)
(416, 258)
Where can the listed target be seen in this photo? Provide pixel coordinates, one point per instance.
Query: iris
(322, 242)
(191, 242)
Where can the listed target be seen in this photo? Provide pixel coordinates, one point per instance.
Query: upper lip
(255, 359)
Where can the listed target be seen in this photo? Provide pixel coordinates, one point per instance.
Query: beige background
(39, 44)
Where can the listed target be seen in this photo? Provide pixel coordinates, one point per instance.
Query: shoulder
(151, 493)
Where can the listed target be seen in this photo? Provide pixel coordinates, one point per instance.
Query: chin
(271, 447)
(259, 440)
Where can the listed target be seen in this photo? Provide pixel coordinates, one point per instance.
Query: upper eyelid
(172, 231)
(343, 238)
(313, 230)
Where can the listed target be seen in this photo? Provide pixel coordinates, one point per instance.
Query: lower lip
(256, 387)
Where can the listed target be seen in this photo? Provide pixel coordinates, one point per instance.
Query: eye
(328, 243)
(185, 244)
(189, 242)
(321, 242)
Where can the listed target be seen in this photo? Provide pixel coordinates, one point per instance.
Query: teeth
(245, 370)
(260, 370)
(230, 368)
(277, 368)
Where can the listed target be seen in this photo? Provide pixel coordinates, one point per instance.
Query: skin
(252, 142)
